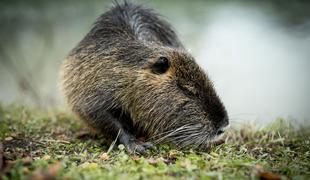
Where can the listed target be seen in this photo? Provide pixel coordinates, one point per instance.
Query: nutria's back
(130, 74)
(130, 22)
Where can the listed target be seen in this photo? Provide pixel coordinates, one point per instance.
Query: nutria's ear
(160, 66)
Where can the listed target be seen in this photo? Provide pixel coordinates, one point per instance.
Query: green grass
(57, 145)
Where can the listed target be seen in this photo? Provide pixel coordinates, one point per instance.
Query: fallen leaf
(152, 161)
(135, 158)
(269, 176)
(173, 153)
(104, 156)
(8, 138)
(46, 157)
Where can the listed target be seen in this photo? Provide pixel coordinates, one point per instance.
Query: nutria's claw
(139, 148)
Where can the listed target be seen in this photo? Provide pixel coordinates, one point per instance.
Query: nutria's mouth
(219, 136)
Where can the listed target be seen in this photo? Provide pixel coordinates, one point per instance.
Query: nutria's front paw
(138, 147)
(134, 145)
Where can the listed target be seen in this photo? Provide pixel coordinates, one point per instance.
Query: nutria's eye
(161, 65)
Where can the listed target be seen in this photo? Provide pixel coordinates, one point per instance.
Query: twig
(113, 143)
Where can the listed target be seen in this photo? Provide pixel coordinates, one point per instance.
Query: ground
(40, 144)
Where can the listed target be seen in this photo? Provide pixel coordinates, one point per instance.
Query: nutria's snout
(217, 112)
(224, 123)
(219, 129)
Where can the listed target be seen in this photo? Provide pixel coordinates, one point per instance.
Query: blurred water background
(256, 52)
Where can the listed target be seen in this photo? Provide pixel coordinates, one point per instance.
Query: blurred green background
(256, 52)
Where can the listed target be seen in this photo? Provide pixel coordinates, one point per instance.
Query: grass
(54, 145)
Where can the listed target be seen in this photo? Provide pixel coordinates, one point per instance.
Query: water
(256, 55)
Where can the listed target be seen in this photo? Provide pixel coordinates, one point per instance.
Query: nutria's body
(130, 74)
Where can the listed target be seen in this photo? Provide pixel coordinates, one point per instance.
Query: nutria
(130, 77)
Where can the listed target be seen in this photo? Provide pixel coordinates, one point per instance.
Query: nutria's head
(174, 100)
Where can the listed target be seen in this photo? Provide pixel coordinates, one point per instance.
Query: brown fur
(109, 81)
